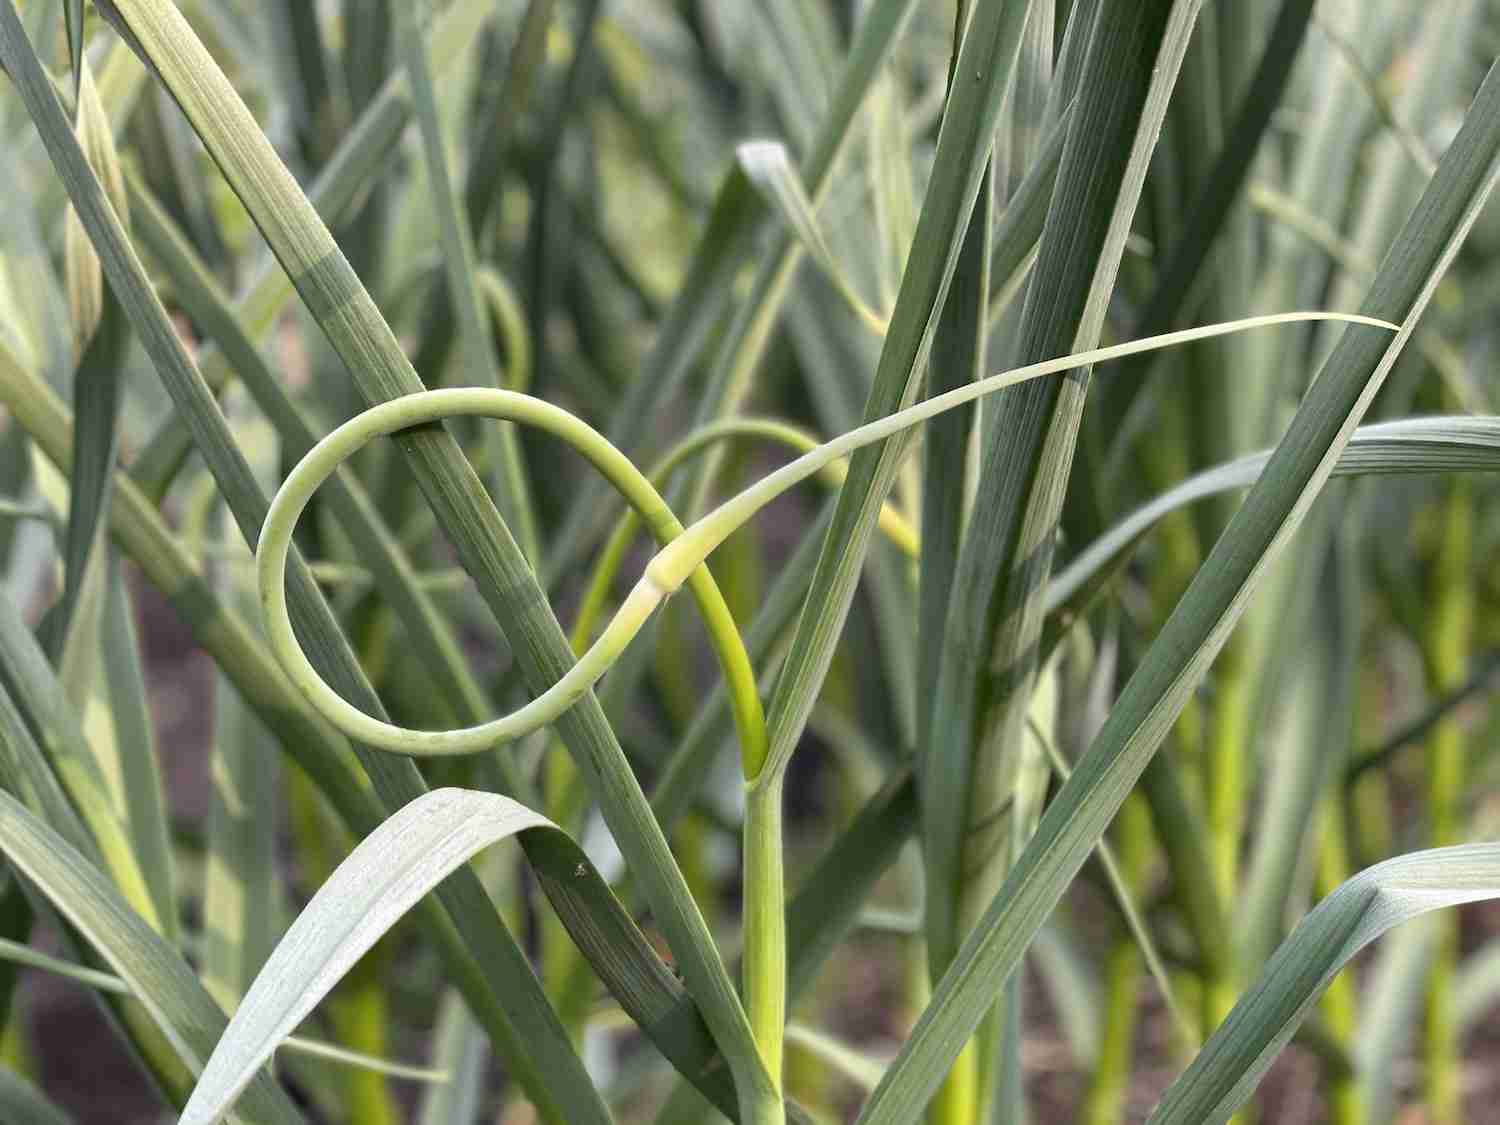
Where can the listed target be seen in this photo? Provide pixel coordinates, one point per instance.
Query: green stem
(415, 409)
(765, 936)
(1446, 649)
(895, 526)
(680, 560)
(1106, 1100)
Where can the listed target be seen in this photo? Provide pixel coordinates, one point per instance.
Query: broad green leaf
(988, 52)
(385, 875)
(959, 356)
(989, 659)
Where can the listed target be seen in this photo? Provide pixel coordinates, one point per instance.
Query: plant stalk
(1446, 651)
(765, 939)
(1110, 1085)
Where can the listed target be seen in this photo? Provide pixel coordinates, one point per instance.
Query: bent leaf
(385, 876)
(154, 972)
(1226, 1071)
(1410, 445)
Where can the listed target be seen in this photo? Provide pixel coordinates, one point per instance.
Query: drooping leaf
(1226, 1070)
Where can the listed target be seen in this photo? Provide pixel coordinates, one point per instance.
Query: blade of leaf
(396, 780)
(96, 406)
(21, 1101)
(154, 972)
(988, 52)
(382, 371)
(242, 896)
(736, 215)
(994, 610)
(1225, 1072)
(476, 345)
(457, 1047)
(385, 875)
(1183, 650)
(73, 22)
(1408, 445)
(1391, 1005)
(142, 790)
(769, 167)
(61, 736)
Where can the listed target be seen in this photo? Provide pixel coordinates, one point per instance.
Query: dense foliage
(1049, 635)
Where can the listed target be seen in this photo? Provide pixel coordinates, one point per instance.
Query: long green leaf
(242, 905)
(1392, 998)
(352, 166)
(397, 781)
(988, 52)
(768, 166)
(142, 792)
(73, 21)
(60, 735)
(381, 370)
(1226, 1070)
(994, 612)
(707, 284)
(379, 882)
(155, 973)
(1183, 650)
(480, 364)
(1405, 446)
